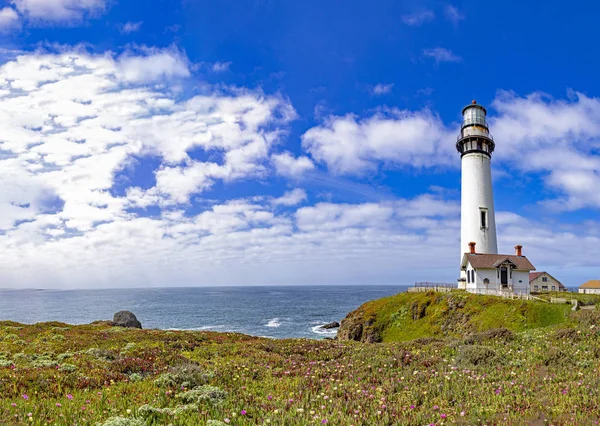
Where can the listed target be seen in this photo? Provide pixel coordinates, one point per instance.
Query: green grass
(57, 374)
(452, 314)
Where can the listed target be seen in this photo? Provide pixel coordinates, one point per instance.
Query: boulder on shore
(331, 325)
(126, 319)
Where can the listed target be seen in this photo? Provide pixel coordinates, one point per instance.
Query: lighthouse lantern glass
(474, 116)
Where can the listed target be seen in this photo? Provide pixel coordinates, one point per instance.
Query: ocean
(276, 312)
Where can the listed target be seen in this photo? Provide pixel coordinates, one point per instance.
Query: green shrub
(186, 375)
(69, 368)
(122, 421)
(477, 355)
(212, 394)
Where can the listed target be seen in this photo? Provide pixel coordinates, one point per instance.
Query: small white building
(590, 287)
(494, 273)
(541, 282)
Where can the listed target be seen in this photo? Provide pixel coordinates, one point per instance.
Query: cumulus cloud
(350, 145)
(9, 20)
(418, 18)
(50, 12)
(291, 198)
(131, 27)
(559, 138)
(382, 89)
(152, 65)
(288, 165)
(441, 54)
(221, 66)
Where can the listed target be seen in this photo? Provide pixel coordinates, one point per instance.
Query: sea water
(277, 312)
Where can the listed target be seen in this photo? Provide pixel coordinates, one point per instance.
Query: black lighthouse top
(474, 134)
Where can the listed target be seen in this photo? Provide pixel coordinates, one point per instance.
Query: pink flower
(25, 396)
(412, 407)
(243, 412)
(226, 420)
(269, 397)
(13, 404)
(69, 396)
(323, 421)
(435, 407)
(58, 404)
(443, 416)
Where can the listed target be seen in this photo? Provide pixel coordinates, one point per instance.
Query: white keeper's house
(482, 269)
(492, 273)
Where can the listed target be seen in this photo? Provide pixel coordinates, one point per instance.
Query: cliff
(408, 316)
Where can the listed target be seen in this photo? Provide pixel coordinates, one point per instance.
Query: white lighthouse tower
(478, 222)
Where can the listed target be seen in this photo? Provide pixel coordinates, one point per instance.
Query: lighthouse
(477, 221)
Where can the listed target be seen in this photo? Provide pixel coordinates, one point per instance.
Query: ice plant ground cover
(58, 374)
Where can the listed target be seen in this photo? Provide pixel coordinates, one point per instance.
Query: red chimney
(518, 249)
(472, 247)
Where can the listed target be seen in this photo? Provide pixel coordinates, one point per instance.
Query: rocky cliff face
(359, 326)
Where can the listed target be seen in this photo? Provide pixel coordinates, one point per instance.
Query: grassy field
(58, 374)
(408, 316)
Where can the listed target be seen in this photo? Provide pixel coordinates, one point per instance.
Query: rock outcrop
(331, 325)
(126, 319)
(360, 327)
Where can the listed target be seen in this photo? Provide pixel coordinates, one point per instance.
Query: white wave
(317, 329)
(273, 323)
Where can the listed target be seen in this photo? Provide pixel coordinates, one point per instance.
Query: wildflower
(29, 414)
(226, 420)
(25, 397)
(243, 412)
(58, 404)
(462, 413)
(435, 407)
(412, 407)
(13, 404)
(69, 396)
(443, 416)
(269, 397)
(299, 410)
(323, 421)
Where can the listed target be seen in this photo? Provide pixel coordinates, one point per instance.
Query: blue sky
(270, 142)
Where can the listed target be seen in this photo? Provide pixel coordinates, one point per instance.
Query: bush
(186, 375)
(69, 368)
(212, 394)
(501, 334)
(122, 421)
(478, 356)
(566, 334)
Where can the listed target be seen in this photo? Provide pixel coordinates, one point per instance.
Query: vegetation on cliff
(58, 374)
(408, 316)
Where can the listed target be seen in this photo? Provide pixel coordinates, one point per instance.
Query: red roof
(534, 275)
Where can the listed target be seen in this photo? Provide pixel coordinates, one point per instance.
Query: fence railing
(425, 286)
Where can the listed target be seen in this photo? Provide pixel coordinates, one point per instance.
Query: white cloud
(441, 54)
(418, 18)
(453, 14)
(382, 89)
(153, 65)
(221, 66)
(349, 145)
(291, 198)
(558, 138)
(131, 27)
(9, 20)
(49, 12)
(288, 165)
